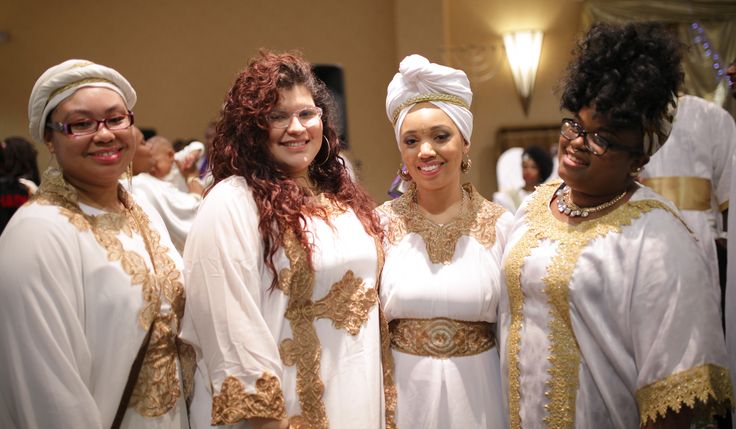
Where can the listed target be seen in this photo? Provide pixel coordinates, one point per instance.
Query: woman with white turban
(440, 285)
(91, 292)
(605, 321)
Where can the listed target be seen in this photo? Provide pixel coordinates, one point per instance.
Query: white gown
(457, 278)
(607, 324)
(310, 347)
(177, 209)
(510, 199)
(77, 295)
(701, 145)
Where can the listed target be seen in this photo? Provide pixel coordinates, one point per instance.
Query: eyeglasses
(593, 142)
(89, 126)
(306, 116)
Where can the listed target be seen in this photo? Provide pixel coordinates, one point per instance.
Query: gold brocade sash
(440, 337)
(687, 192)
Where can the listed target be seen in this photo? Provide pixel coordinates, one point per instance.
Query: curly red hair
(240, 147)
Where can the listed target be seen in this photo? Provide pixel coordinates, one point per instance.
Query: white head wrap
(62, 80)
(419, 81)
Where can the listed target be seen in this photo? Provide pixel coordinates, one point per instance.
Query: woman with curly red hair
(283, 261)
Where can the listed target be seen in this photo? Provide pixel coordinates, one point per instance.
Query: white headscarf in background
(419, 81)
(62, 80)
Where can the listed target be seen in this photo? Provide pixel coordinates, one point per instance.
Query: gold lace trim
(440, 337)
(479, 222)
(446, 98)
(564, 352)
(707, 384)
(233, 404)
(387, 358)
(157, 388)
(347, 304)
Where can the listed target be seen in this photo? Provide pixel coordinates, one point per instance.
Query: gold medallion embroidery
(347, 305)
(157, 388)
(707, 384)
(233, 404)
(440, 337)
(564, 352)
(479, 222)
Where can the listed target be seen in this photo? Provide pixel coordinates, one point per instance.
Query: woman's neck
(306, 183)
(100, 197)
(583, 199)
(440, 205)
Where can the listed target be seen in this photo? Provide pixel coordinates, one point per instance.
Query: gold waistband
(687, 192)
(441, 338)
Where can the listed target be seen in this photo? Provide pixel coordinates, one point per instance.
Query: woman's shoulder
(649, 202)
(231, 192)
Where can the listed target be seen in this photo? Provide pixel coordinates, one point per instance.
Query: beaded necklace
(566, 206)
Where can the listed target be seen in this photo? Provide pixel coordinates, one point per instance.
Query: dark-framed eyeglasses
(593, 142)
(87, 126)
(307, 116)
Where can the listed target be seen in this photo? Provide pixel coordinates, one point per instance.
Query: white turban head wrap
(419, 81)
(61, 81)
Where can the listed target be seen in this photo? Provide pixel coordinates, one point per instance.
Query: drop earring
(403, 174)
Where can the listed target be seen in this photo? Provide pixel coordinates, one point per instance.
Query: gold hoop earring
(327, 157)
(403, 174)
(465, 165)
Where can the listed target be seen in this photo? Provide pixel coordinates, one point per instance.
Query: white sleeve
(721, 131)
(189, 149)
(45, 361)
(674, 318)
(177, 209)
(223, 318)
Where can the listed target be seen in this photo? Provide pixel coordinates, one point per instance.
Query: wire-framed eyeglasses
(307, 116)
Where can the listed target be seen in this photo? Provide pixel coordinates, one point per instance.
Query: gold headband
(446, 98)
(78, 83)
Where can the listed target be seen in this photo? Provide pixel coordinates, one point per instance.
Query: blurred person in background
(19, 177)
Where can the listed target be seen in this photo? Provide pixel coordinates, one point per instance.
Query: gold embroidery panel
(157, 387)
(233, 404)
(479, 222)
(707, 384)
(440, 337)
(347, 304)
(564, 352)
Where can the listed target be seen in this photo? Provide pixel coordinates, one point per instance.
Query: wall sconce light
(523, 49)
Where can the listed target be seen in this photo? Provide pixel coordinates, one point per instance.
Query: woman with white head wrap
(91, 291)
(608, 318)
(440, 284)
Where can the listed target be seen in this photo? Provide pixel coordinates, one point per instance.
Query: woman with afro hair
(283, 262)
(604, 321)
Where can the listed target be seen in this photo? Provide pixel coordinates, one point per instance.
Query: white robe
(177, 209)
(702, 143)
(510, 199)
(607, 321)
(249, 352)
(460, 391)
(72, 321)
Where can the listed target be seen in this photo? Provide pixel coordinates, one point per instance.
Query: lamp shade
(523, 49)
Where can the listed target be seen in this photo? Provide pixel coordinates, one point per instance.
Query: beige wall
(182, 56)
(495, 102)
